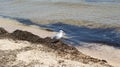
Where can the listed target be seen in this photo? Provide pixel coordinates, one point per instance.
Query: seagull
(59, 35)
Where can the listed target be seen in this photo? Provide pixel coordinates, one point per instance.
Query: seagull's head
(61, 31)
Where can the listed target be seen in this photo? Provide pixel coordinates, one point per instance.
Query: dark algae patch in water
(61, 49)
(77, 34)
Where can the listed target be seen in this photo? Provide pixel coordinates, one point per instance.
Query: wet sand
(41, 52)
(33, 55)
(111, 54)
(11, 25)
(89, 15)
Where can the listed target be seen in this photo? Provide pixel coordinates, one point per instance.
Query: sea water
(100, 11)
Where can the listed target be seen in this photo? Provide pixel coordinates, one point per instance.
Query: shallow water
(101, 11)
(78, 34)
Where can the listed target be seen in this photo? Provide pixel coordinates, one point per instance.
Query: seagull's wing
(54, 37)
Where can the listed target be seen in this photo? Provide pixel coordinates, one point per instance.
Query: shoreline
(59, 48)
(12, 25)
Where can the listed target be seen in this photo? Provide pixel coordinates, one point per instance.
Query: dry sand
(10, 45)
(36, 55)
(109, 53)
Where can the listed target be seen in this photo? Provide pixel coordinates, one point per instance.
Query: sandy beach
(102, 51)
(92, 28)
(36, 55)
(12, 25)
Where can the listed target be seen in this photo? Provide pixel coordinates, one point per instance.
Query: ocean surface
(100, 11)
(32, 12)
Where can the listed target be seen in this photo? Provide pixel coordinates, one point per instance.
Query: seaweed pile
(63, 50)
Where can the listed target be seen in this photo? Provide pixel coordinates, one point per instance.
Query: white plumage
(58, 35)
